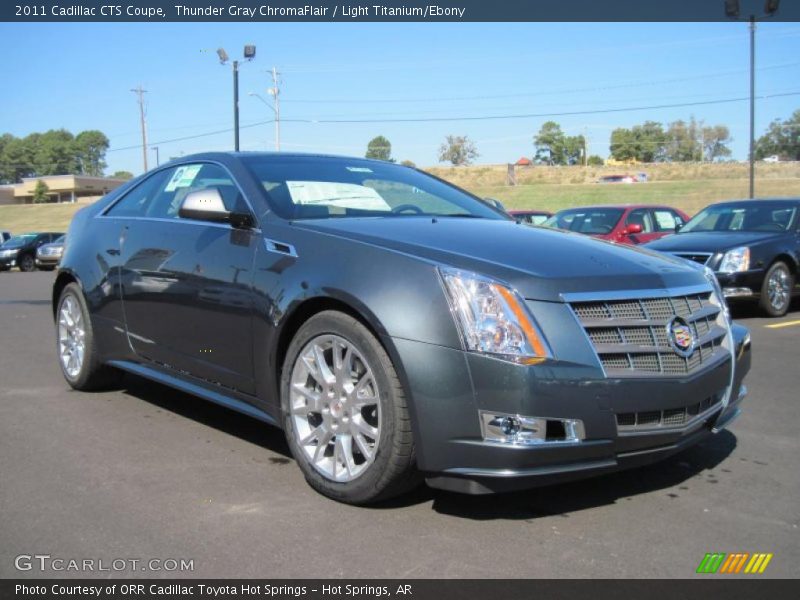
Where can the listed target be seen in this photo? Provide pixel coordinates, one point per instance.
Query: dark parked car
(531, 217)
(20, 250)
(752, 245)
(625, 224)
(49, 255)
(395, 326)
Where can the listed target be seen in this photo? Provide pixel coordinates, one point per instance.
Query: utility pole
(236, 105)
(275, 91)
(752, 107)
(140, 95)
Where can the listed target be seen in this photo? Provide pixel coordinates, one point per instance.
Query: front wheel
(27, 263)
(344, 412)
(776, 291)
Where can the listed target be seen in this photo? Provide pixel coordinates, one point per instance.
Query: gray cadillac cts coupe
(396, 327)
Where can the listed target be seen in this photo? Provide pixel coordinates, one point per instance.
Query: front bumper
(454, 455)
(746, 284)
(7, 262)
(47, 261)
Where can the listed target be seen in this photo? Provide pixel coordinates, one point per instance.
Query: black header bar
(385, 10)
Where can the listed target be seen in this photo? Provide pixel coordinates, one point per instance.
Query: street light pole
(732, 12)
(236, 105)
(752, 106)
(249, 54)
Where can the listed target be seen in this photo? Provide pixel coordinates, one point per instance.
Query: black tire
(393, 470)
(93, 374)
(27, 263)
(770, 306)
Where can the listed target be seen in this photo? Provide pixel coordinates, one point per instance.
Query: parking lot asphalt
(149, 473)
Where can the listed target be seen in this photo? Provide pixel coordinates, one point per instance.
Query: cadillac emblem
(680, 336)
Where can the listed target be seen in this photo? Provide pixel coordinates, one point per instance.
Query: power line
(468, 118)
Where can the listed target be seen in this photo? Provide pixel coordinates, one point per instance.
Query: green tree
(18, 159)
(644, 143)
(380, 148)
(596, 161)
(54, 152)
(782, 139)
(555, 148)
(122, 175)
(458, 150)
(40, 193)
(715, 142)
(684, 141)
(408, 163)
(90, 151)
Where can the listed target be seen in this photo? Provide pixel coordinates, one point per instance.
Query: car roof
(620, 206)
(746, 202)
(227, 156)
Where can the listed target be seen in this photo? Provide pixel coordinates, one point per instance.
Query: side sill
(194, 389)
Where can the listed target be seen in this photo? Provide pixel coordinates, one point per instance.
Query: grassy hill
(686, 186)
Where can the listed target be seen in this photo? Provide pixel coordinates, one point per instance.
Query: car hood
(709, 241)
(540, 263)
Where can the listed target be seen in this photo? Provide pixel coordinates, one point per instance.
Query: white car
(772, 159)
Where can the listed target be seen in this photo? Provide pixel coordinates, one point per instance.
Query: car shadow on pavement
(670, 476)
(218, 417)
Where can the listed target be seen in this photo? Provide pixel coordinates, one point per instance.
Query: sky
(408, 76)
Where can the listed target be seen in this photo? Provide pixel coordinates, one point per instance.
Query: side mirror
(207, 205)
(678, 227)
(633, 229)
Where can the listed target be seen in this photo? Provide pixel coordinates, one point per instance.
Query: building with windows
(60, 188)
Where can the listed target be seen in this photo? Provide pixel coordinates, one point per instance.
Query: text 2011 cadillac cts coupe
(396, 327)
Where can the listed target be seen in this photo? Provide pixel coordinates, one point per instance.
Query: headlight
(718, 298)
(735, 260)
(493, 318)
(7, 253)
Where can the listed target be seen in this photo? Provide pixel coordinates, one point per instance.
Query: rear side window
(161, 196)
(136, 202)
(666, 220)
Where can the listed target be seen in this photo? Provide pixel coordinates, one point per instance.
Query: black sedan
(395, 326)
(20, 250)
(752, 245)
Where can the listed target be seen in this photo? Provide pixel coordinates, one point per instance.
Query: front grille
(673, 417)
(631, 340)
(698, 257)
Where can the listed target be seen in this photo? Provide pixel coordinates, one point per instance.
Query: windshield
(305, 187)
(759, 216)
(593, 221)
(59, 240)
(19, 240)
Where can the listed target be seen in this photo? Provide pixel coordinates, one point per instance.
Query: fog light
(523, 430)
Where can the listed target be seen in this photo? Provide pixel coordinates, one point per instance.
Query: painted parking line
(785, 324)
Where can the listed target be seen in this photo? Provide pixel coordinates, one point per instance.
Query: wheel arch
(64, 278)
(349, 305)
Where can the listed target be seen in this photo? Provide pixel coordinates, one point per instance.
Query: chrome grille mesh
(631, 340)
(673, 417)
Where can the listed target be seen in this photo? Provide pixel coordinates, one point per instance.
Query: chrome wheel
(779, 288)
(71, 336)
(334, 406)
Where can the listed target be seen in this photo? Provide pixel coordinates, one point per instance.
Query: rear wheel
(776, 291)
(344, 412)
(27, 263)
(77, 349)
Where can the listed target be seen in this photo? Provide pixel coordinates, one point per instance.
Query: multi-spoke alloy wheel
(71, 336)
(335, 407)
(345, 414)
(778, 288)
(776, 292)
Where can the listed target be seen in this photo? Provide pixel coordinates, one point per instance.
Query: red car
(625, 224)
(531, 217)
